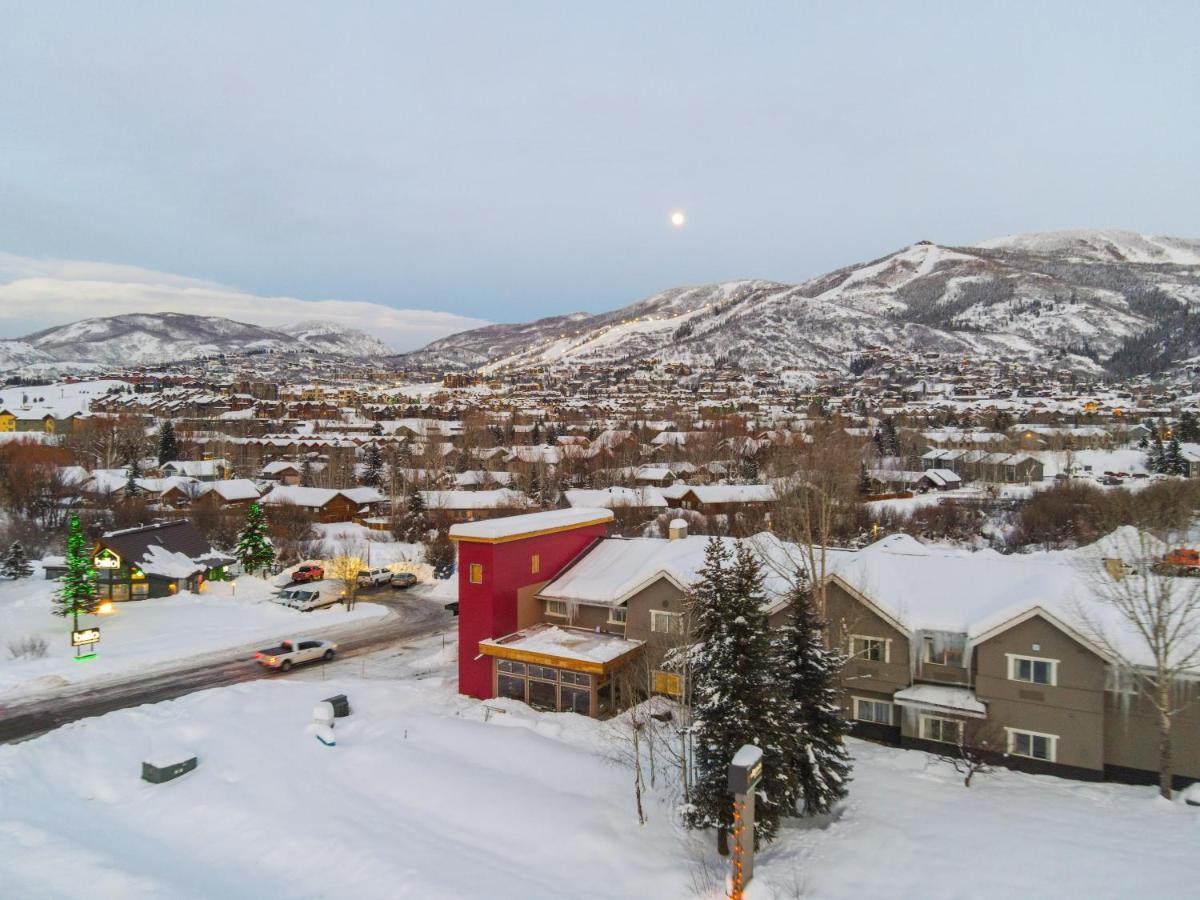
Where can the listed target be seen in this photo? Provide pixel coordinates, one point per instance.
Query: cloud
(40, 293)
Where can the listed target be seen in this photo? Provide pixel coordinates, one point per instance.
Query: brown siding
(661, 595)
(1073, 709)
(848, 616)
(1131, 735)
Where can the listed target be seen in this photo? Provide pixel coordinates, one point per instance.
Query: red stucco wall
(489, 610)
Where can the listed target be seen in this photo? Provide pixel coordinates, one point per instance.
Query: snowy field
(148, 632)
(422, 797)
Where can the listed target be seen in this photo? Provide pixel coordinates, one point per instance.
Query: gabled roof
(170, 549)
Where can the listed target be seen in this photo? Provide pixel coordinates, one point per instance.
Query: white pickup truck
(295, 651)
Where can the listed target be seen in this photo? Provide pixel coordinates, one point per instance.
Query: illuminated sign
(106, 559)
(85, 636)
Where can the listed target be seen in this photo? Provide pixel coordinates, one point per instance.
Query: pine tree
(864, 480)
(440, 554)
(254, 548)
(820, 763)
(1189, 427)
(16, 563)
(373, 468)
(306, 473)
(1156, 459)
(377, 430)
(168, 445)
(416, 521)
(1173, 461)
(76, 594)
(132, 474)
(736, 698)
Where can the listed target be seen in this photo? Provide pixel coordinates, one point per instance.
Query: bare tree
(344, 569)
(979, 745)
(1146, 618)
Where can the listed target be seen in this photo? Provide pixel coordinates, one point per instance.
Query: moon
(678, 218)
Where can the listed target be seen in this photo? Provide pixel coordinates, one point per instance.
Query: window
(947, 731)
(576, 700)
(1032, 669)
(877, 711)
(873, 649)
(507, 665)
(574, 677)
(556, 608)
(667, 683)
(543, 695)
(535, 563)
(618, 615)
(511, 687)
(1033, 745)
(476, 573)
(943, 656)
(662, 622)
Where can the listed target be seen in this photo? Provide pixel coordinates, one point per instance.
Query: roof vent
(677, 529)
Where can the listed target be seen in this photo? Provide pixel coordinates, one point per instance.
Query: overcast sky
(507, 160)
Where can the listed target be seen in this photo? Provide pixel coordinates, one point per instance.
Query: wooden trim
(529, 534)
(556, 662)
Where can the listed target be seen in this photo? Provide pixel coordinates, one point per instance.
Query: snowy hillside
(1032, 296)
(330, 337)
(154, 337)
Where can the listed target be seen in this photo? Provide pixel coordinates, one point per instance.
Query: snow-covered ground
(428, 794)
(148, 632)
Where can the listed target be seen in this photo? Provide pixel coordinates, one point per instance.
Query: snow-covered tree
(441, 555)
(306, 473)
(414, 524)
(820, 764)
(16, 563)
(168, 445)
(736, 699)
(373, 466)
(254, 548)
(76, 594)
(132, 474)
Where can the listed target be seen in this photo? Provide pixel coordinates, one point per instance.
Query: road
(410, 615)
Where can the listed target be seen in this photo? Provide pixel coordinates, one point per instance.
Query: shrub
(31, 647)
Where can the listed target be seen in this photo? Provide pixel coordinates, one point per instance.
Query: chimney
(677, 529)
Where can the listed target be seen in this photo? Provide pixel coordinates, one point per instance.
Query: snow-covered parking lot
(422, 797)
(147, 632)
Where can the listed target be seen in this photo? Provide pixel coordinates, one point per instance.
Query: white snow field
(423, 797)
(147, 633)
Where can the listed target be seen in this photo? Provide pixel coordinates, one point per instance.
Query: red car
(305, 574)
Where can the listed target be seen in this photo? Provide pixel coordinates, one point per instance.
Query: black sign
(85, 636)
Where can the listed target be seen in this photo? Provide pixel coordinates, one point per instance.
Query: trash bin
(341, 705)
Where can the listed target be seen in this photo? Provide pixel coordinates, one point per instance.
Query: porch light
(105, 609)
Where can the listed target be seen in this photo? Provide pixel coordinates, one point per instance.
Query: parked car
(294, 652)
(373, 577)
(402, 581)
(305, 599)
(307, 573)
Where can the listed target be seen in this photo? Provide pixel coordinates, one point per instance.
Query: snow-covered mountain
(1095, 294)
(139, 338)
(330, 337)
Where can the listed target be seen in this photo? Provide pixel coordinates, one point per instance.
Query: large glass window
(577, 700)
(543, 695)
(511, 687)
(544, 672)
(507, 665)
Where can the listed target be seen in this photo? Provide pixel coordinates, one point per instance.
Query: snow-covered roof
(576, 644)
(510, 528)
(500, 498)
(617, 568)
(617, 497)
(941, 699)
(232, 489)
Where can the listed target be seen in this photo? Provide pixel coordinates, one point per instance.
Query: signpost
(745, 772)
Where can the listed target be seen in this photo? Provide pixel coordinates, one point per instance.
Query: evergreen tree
(254, 548)
(168, 445)
(1189, 427)
(76, 594)
(1157, 457)
(132, 474)
(1173, 461)
(891, 439)
(416, 522)
(16, 564)
(306, 473)
(373, 467)
(377, 430)
(820, 764)
(440, 555)
(864, 480)
(736, 698)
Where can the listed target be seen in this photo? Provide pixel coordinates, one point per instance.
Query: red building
(502, 563)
